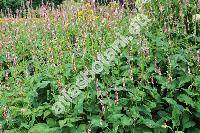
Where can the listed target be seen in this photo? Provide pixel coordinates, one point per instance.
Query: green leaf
(43, 84)
(186, 122)
(10, 131)
(95, 121)
(186, 99)
(171, 101)
(175, 116)
(25, 125)
(182, 80)
(31, 123)
(39, 113)
(46, 113)
(82, 128)
(62, 123)
(51, 122)
(114, 117)
(150, 123)
(197, 82)
(40, 127)
(164, 115)
(134, 112)
(126, 121)
(79, 104)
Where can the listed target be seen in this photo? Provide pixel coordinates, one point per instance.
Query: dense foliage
(13, 5)
(153, 84)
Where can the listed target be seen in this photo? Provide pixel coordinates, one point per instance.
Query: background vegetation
(16, 4)
(152, 85)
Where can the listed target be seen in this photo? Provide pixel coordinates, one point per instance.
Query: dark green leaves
(187, 122)
(186, 99)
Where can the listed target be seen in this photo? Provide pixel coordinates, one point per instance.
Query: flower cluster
(87, 13)
(83, 79)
